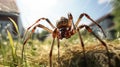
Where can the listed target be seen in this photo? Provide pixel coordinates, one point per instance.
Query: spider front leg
(26, 39)
(40, 26)
(46, 19)
(86, 15)
(40, 20)
(58, 43)
(103, 43)
(51, 50)
(50, 55)
(54, 35)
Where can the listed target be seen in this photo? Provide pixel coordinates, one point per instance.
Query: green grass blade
(16, 27)
(11, 42)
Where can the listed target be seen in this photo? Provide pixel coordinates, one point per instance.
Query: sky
(31, 10)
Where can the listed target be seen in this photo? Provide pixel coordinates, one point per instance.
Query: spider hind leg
(103, 43)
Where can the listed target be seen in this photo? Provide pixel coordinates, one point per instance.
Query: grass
(37, 53)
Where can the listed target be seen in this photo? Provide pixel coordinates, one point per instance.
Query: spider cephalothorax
(65, 28)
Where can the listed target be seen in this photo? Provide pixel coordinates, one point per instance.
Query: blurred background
(26, 12)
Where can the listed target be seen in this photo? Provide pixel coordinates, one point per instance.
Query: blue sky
(31, 10)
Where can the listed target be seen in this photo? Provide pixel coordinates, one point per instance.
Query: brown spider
(65, 28)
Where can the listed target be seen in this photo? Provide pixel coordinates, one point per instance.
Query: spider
(65, 28)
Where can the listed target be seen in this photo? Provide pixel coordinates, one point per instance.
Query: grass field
(36, 53)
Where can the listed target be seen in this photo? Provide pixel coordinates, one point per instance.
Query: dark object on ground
(96, 57)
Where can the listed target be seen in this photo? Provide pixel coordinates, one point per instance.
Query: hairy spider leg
(103, 43)
(45, 28)
(43, 19)
(46, 19)
(86, 15)
(58, 45)
(82, 44)
(54, 35)
(40, 26)
(50, 55)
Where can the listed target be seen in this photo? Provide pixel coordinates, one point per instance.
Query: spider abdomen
(63, 22)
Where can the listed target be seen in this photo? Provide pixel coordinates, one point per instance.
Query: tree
(116, 13)
(42, 36)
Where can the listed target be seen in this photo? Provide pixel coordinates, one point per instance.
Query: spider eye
(67, 28)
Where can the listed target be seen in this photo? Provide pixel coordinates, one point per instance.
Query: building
(8, 8)
(106, 22)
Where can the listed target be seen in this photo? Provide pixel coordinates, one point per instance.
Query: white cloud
(103, 1)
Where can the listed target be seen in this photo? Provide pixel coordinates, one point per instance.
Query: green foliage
(43, 33)
(8, 56)
(14, 23)
(41, 36)
(11, 43)
(116, 13)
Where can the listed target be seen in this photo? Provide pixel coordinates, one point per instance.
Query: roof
(8, 6)
(102, 18)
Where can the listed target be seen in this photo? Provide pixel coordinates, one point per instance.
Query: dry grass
(72, 55)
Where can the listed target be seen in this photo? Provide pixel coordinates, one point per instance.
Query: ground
(36, 54)
(72, 56)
